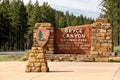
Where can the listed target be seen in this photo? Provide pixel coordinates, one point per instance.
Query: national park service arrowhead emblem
(42, 36)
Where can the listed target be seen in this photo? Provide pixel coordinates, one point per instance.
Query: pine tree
(4, 24)
(68, 22)
(30, 25)
(18, 24)
(34, 16)
(14, 17)
(60, 21)
(29, 12)
(22, 24)
(57, 19)
(111, 8)
(47, 13)
(81, 20)
(74, 21)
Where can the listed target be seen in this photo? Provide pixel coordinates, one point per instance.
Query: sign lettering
(74, 39)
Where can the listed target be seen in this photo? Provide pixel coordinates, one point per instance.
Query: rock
(43, 25)
(32, 59)
(30, 64)
(37, 69)
(40, 56)
(94, 52)
(25, 57)
(101, 59)
(44, 69)
(114, 58)
(102, 31)
(31, 54)
(27, 69)
(37, 64)
(103, 20)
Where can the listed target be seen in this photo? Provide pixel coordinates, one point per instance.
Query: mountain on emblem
(42, 36)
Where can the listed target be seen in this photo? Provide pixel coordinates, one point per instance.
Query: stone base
(80, 58)
(37, 61)
(70, 57)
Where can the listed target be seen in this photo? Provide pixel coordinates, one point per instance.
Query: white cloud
(86, 5)
(91, 5)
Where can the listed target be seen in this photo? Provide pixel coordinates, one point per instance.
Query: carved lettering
(75, 39)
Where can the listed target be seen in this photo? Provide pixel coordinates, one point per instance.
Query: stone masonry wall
(37, 60)
(101, 46)
(101, 38)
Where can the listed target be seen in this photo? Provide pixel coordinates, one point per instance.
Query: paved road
(62, 71)
(13, 52)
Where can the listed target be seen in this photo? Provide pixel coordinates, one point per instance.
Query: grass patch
(111, 60)
(10, 58)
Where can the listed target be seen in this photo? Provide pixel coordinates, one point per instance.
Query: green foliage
(111, 9)
(27, 52)
(60, 20)
(17, 22)
(111, 60)
(4, 22)
(10, 58)
(47, 13)
(68, 22)
(117, 49)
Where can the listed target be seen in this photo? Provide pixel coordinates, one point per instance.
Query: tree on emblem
(40, 35)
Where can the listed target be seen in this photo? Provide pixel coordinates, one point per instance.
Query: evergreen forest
(17, 22)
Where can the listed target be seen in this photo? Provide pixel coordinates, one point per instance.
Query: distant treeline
(17, 22)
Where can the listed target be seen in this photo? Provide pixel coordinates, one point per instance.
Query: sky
(89, 8)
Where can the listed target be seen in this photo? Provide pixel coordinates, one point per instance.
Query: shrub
(117, 49)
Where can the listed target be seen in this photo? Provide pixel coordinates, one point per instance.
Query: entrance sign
(90, 39)
(73, 39)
